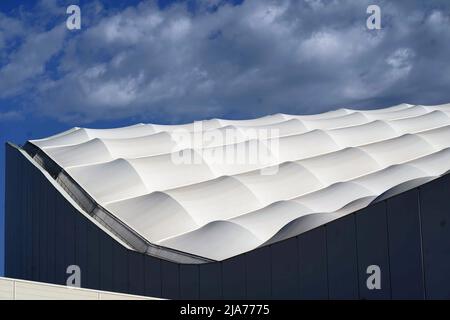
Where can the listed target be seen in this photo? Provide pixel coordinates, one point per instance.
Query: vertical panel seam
(299, 267)
(246, 277)
(271, 270)
(326, 261)
(23, 214)
(199, 281)
(38, 231)
(33, 229)
(179, 279)
(160, 278)
(388, 246)
(297, 270)
(357, 255)
(221, 279)
(422, 259)
(6, 209)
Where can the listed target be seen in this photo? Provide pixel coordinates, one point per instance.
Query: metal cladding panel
(136, 273)
(11, 202)
(51, 231)
(69, 238)
(81, 244)
(17, 216)
(43, 232)
(60, 267)
(21, 167)
(258, 273)
(372, 240)
(189, 281)
(342, 259)
(285, 264)
(27, 225)
(106, 263)
(120, 268)
(93, 250)
(312, 248)
(153, 285)
(170, 277)
(233, 278)
(8, 206)
(404, 229)
(36, 221)
(435, 214)
(210, 281)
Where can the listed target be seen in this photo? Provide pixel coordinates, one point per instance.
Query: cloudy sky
(178, 61)
(189, 60)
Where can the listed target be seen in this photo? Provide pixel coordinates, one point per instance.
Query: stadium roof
(218, 188)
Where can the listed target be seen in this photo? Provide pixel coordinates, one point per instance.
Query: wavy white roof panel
(218, 188)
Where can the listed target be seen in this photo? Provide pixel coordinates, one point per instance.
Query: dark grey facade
(408, 236)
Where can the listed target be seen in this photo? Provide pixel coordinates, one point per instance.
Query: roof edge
(88, 204)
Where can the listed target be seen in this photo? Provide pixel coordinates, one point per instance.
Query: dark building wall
(408, 236)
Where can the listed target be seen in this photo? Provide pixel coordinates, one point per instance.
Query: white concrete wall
(13, 289)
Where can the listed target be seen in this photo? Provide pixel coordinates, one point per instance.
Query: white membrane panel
(218, 188)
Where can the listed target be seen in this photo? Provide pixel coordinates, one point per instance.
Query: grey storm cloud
(247, 60)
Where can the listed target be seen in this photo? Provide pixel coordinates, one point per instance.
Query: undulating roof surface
(219, 204)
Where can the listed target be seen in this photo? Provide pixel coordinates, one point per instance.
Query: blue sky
(178, 61)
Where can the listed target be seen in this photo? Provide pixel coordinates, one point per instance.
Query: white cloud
(28, 62)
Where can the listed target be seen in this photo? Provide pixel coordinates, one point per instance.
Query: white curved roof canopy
(250, 183)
